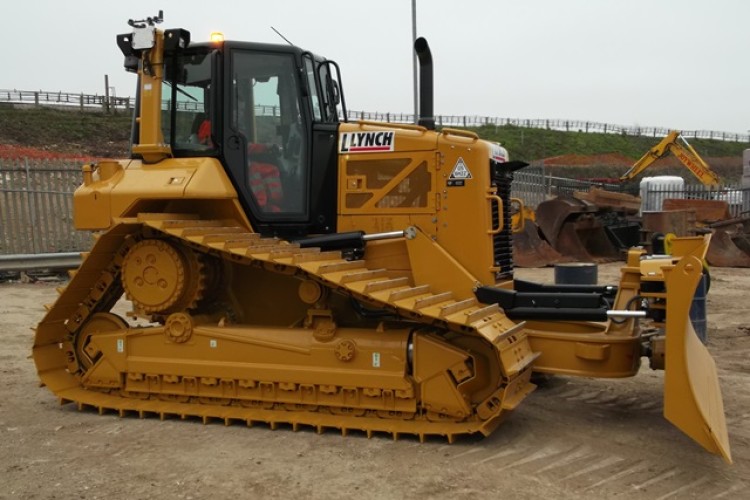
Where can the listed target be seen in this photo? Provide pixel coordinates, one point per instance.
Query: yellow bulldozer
(289, 266)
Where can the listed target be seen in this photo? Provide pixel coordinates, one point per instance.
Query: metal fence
(68, 99)
(36, 207)
(530, 186)
(736, 197)
(36, 202)
(546, 124)
(534, 186)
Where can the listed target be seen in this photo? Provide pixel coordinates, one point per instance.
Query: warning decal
(459, 173)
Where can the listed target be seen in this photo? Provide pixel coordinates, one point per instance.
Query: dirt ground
(571, 439)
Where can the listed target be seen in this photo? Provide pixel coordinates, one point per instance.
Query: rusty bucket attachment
(623, 202)
(705, 210)
(572, 227)
(530, 250)
(692, 396)
(730, 243)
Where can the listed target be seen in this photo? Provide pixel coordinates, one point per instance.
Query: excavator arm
(676, 144)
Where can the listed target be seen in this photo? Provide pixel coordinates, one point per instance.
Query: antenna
(282, 36)
(150, 21)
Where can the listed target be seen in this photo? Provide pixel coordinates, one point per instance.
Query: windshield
(185, 104)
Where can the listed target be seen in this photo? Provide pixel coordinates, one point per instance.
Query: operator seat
(264, 178)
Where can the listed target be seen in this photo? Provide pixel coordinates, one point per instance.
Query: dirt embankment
(47, 133)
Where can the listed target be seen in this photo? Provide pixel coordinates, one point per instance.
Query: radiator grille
(503, 241)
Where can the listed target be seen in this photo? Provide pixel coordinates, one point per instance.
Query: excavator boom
(676, 144)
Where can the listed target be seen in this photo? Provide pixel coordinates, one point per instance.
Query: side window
(266, 110)
(192, 126)
(187, 82)
(312, 85)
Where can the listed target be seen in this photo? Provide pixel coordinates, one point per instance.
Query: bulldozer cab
(268, 113)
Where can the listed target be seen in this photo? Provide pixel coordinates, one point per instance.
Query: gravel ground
(571, 439)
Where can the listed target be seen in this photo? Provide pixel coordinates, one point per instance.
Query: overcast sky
(679, 64)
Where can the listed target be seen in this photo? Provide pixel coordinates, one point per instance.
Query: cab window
(265, 107)
(185, 91)
(312, 85)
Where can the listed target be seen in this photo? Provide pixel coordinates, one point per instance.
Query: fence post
(32, 211)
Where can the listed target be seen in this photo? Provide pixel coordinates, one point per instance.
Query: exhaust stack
(426, 112)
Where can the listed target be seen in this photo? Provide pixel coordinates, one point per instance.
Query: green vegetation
(71, 131)
(534, 144)
(93, 133)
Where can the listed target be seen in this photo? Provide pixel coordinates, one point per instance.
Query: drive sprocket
(162, 278)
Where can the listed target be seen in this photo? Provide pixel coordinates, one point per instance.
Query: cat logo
(459, 174)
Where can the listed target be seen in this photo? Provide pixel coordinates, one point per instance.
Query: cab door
(265, 136)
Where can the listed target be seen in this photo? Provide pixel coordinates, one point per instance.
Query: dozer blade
(692, 397)
(724, 250)
(530, 250)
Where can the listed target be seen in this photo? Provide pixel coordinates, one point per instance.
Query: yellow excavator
(288, 266)
(676, 144)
